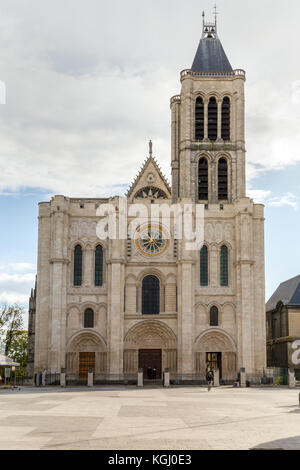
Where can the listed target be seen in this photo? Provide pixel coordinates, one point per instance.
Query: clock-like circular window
(152, 240)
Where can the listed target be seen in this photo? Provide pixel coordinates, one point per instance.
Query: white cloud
(11, 298)
(259, 195)
(82, 102)
(16, 281)
(21, 267)
(288, 199)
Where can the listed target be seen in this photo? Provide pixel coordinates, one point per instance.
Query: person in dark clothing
(210, 379)
(154, 374)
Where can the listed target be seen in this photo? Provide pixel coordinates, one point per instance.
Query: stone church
(119, 305)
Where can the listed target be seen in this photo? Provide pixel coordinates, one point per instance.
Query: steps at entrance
(153, 382)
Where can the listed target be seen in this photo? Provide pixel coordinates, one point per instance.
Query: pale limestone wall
(182, 328)
(60, 305)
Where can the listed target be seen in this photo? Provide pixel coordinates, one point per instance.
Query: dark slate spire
(210, 55)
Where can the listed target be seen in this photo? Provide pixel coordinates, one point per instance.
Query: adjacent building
(283, 326)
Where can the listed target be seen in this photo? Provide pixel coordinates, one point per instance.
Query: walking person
(210, 379)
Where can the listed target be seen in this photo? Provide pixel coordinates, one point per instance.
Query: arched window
(99, 266)
(214, 316)
(150, 295)
(212, 119)
(203, 179)
(226, 119)
(222, 179)
(88, 318)
(224, 266)
(199, 119)
(77, 265)
(204, 266)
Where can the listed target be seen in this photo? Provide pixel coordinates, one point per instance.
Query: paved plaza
(150, 418)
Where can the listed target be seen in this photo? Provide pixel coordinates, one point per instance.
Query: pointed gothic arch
(203, 179)
(222, 179)
(199, 118)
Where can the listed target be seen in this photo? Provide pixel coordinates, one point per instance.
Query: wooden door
(87, 360)
(150, 359)
(214, 361)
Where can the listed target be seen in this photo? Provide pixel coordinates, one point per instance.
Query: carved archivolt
(150, 334)
(214, 341)
(86, 341)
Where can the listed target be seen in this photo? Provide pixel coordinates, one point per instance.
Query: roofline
(237, 73)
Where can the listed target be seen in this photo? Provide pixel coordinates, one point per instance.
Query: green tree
(11, 324)
(18, 348)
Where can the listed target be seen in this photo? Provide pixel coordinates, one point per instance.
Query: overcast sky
(88, 84)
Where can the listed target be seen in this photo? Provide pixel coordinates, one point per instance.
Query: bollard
(291, 378)
(44, 373)
(216, 377)
(167, 378)
(243, 377)
(63, 377)
(90, 378)
(140, 381)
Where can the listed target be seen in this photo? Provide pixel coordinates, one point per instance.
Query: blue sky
(86, 91)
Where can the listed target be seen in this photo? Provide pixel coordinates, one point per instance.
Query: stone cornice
(59, 260)
(159, 316)
(244, 262)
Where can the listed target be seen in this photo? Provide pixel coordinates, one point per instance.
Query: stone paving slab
(182, 418)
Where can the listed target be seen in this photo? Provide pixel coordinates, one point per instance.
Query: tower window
(77, 265)
(222, 179)
(150, 295)
(199, 119)
(204, 266)
(226, 118)
(88, 318)
(212, 119)
(203, 179)
(224, 266)
(214, 316)
(99, 266)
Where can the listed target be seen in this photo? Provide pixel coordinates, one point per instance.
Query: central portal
(150, 362)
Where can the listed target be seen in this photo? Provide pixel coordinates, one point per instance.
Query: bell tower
(208, 126)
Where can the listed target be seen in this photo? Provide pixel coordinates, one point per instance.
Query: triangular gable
(150, 182)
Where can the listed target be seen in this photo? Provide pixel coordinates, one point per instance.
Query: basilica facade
(117, 305)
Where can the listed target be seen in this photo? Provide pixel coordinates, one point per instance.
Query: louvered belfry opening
(199, 119)
(226, 118)
(222, 179)
(150, 295)
(212, 119)
(203, 179)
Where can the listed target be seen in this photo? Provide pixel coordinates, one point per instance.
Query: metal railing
(234, 73)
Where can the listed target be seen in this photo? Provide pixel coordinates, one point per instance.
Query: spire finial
(150, 148)
(216, 14)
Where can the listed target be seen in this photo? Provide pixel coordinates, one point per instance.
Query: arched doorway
(150, 345)
(85, 350)
(214, 348)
